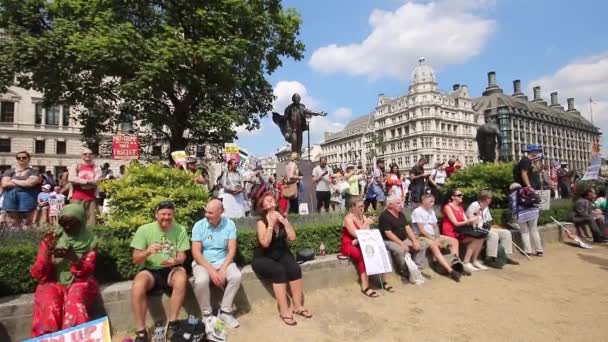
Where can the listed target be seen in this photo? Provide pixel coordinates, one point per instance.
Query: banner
(94, 331)
(231, 151)
(593, 172)
(125, 147)
(180, 158)
(375, 255)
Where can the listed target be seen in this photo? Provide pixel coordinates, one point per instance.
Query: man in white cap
(84, 177)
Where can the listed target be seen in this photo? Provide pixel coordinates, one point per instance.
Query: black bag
(305, 255)
(528, 198)
(472, 231)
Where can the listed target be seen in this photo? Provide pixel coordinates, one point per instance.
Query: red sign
(125, 147)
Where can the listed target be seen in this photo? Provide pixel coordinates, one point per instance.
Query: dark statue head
(296, 98)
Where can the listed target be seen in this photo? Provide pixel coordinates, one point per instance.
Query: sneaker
(539, 254)
(469, 267)
(455, 276)
(479, 265)
(512, 262)
(141, 336)
(228, 319)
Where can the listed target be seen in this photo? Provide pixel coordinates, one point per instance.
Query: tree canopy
(189, 71)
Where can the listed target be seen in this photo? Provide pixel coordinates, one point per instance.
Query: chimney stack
(536, 93)
(571, 104)
(516, 87)
(491, 79)
(554, 99)
(456, 86)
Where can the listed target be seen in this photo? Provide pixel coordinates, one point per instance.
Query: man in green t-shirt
(160, 247)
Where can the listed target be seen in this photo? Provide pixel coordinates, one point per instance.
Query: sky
(356, 50)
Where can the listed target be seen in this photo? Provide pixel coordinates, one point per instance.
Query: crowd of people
(455, 243)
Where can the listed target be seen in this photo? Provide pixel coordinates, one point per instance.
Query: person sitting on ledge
(583, 215)
(496, 235)
(160, 246)
(350, 247)
(427, 231)
(64, 269)
(273, 260)
(213, 250)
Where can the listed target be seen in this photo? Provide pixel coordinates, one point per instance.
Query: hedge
(114, 259)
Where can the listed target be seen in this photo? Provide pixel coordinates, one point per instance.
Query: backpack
(528, 198)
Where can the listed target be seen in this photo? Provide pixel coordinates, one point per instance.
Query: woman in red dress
(353, 221)
(64, 269)
(455, 224)
(283, 202)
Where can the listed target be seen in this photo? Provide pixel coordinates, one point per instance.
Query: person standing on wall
(84, 177)
(290, 190)
(419, 179)
(321, 176)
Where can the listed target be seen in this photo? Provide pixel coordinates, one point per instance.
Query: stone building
(348, 146)
(564, 134)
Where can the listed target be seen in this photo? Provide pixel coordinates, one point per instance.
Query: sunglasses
(22, 158)
(165, 205)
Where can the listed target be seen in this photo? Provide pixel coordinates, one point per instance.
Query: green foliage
(135, 196)
(15, 263)
(474, 178)
(189, 70)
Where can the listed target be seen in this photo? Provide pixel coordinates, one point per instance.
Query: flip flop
(372, 294)
(285, 318)
(304, 313)
(387, 287)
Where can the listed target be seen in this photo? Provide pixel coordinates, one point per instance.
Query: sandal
(387, 287)
(304, 313)
(370, 293)
(285, 318)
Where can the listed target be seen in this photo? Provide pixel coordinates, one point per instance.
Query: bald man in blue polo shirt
(213, 250)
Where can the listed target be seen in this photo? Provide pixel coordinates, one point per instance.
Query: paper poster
(179, 157)
(125, 147)
(231, 151)
(303, 209)
(94, 331)
(375, 255)
(545, 199)
(55, 206)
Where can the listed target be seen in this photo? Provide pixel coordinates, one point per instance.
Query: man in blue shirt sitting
(213, 249)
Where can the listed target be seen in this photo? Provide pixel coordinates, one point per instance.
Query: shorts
(19, 201)
(161, 280)
(444, 241)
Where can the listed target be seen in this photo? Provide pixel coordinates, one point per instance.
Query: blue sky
(356, 50)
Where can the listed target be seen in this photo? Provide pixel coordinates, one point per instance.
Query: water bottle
(159, 333)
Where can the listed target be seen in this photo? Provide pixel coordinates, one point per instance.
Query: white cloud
(343, 113)
(582, 79)
(445, 32)
(284, 90)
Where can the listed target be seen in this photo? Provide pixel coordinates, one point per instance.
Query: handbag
(290, 190)
(472, 231)
(305, 255)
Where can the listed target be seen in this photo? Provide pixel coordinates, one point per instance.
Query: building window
(61, 147)
(39, 146)
(157, 151)
(38, 114)
(66, 115)
(52, 115)
(7, 111)
(5, 145)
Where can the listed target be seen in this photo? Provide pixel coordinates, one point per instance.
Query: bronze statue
(293, 123)
(488, 137)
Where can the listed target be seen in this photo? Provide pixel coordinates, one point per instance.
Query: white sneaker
(228, 319)
(479, 265)
(469, 267)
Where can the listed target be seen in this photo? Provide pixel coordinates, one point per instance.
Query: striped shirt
(521, 214)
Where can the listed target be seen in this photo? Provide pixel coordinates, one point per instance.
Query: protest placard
(375, 255)
(93, 331)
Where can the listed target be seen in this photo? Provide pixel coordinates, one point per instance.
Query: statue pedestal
(307, 188)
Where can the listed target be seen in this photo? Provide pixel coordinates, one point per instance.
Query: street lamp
(308, 119)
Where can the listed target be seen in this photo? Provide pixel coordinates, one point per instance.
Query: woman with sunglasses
(350, 247)
(456, 224)
(21, 185)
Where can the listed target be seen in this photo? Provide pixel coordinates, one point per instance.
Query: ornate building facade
(565, 135)
(348, 146)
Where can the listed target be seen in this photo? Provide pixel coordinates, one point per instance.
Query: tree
(187, 71)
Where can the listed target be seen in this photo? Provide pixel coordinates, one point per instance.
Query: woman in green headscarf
(64, 269)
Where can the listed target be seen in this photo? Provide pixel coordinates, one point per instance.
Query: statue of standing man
(488, 137)
(293, 123)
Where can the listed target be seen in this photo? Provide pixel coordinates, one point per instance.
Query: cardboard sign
(375, 255)
(231, 151)
(180, 158)
(303, 209)
(545, 199)
(55, 206)
(94, 331)
(125, 147)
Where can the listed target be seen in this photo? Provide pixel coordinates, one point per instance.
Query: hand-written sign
(125, 147)
(94, 331)
(375, 255)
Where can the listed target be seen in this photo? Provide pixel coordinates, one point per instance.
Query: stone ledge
(327, 271)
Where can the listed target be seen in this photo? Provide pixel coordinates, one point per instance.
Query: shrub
(492, 176)
(144, 186)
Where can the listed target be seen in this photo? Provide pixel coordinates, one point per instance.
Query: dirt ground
(560, 297)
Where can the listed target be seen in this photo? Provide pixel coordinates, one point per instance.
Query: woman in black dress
(273, 260)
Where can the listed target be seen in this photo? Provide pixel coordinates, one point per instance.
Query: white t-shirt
(323, 183)
(439, 176)
(426, 217)
(485, 213)
(406, 185)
